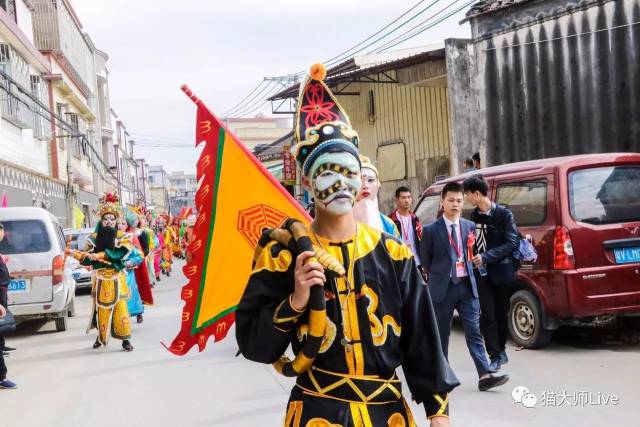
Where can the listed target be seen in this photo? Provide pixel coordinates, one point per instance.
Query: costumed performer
(359, 316)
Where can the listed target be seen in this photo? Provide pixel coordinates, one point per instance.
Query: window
(427, 210)
(24, 237)
(526, 200)
(605, 195)
(78, 241)
(10, 7)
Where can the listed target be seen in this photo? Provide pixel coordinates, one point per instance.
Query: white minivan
(41, 284)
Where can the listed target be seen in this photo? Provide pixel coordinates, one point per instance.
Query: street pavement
(64, 382)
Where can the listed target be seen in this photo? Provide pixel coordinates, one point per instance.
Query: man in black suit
(497, 239)
(445, 258)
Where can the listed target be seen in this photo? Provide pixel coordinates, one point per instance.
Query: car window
(427, 210)
(605, 195)
(61, 238)
(78, 241)
(24, 237)
(526, 200)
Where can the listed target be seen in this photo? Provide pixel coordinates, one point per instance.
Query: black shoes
(5, 348)
(97, 344)
(126, 345)
(492, 382)
(139, 318)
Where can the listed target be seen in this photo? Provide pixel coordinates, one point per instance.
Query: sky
(222, 50)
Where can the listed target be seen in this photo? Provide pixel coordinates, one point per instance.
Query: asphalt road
(64, 382)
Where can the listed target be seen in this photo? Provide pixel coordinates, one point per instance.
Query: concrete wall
(551, 78)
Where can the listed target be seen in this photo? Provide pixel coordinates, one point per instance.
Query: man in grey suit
(445, 258)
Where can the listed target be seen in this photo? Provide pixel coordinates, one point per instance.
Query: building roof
(363, 65)
(486, 6)
(273, 150)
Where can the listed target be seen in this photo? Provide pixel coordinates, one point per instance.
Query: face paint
(122, 224)
(335, 181)
(109, 220)
(366, 209)
(370, 185)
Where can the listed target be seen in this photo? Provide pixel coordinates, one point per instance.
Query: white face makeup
(335, 181)
(370, 185)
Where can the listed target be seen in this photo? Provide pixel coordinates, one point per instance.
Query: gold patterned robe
(379, 319)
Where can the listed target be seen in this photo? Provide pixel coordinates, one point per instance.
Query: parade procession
(416, 213)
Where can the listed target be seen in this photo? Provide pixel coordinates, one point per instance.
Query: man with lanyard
(447, 252)
(378, 311)
(407, 222)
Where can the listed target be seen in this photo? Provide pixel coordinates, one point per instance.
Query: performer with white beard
(366, 208)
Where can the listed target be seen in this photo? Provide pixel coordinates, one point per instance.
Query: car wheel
(525, 321)
(61, 323)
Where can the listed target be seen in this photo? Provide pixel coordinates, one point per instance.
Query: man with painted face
(107, 251)
(379, 314)
(366, 208)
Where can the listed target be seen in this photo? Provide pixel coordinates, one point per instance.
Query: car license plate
(627, 255)
(18, 285)
(76, 275)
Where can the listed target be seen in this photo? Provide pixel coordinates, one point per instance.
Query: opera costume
(137, 274)
(107, 251)
(367, 209)
(373, 314)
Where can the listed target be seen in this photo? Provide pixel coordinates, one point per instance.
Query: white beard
(367, 211)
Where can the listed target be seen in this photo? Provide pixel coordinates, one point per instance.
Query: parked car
(583, 215)
(77, 240)
(41, 284)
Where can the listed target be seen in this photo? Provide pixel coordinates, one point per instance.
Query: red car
(582, 214)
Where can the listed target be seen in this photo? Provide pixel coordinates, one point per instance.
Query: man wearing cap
(379, 314)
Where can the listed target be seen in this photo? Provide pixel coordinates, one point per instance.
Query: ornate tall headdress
(109, 204)
(321, 125)
(365, 162)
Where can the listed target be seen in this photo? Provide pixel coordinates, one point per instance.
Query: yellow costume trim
(294, 413)
(301, 363)
(320, 422)
(398, 251)
(278, 320)
(329, 335)
(379, 328)
(360, 415)
(322, 391)
(396, 420)
(412, 422)
(443, 404)
(265, 261)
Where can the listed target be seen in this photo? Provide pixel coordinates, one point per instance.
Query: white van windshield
(24, 237)
(605, 195)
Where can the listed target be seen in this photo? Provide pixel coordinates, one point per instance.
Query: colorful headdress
(365, 162)
(321, 125)
(109, 204)
(131, 216)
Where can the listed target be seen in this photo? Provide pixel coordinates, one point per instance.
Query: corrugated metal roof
(362, 65)
(484, 6)
(273, 149)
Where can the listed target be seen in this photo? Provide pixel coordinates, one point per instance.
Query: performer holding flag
(373, 314)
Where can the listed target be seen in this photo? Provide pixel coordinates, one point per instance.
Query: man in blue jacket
(496, 240)
(444, 252)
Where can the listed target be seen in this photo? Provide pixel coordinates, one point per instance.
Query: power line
(390, 44)
(243, 99)
(252, 99)
(336, 61)
(249, 108)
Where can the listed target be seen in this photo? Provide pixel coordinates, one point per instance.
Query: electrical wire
(336, 58)
(251, 108)
(379, 39)
(390, 45)
(244, 99)
(234, 111)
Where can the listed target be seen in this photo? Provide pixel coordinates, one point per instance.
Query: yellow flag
(237, 199)
(78, 217)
